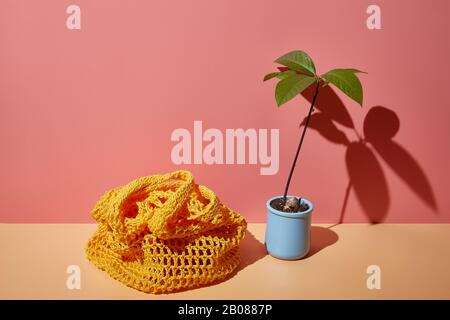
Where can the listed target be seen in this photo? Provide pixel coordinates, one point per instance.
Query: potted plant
(289, 217)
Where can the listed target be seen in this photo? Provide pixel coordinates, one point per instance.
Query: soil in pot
(290, 205)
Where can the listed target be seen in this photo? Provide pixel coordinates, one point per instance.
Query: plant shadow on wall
(366, 176)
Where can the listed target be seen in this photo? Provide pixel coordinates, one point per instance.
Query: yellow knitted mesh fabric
(164, 233)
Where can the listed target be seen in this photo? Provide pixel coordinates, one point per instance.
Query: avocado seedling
(296, 74)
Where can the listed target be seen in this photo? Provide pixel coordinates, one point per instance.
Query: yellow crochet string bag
(164, 233)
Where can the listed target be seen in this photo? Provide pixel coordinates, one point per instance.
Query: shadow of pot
(288, 233)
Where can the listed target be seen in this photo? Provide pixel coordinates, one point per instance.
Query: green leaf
(289, 87)
(285, 74)
(279, 75)
(347, 82)
(355, 71)
(298, 61)
(270, 76)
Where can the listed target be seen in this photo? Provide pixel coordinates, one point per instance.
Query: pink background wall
(84, 111)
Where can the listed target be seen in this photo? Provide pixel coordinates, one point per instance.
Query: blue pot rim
(302, 214)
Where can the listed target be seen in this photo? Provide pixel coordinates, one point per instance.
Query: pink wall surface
(82, 111)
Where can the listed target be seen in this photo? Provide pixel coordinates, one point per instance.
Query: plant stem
(301, 140)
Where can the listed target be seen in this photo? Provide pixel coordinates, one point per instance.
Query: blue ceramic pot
(288, 234)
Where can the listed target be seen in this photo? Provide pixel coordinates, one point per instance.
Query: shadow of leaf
(407, 169)
(326, 128)
(380, 126)
(329, 103)
(368, 181)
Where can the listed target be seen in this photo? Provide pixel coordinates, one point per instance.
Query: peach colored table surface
(414, 260)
